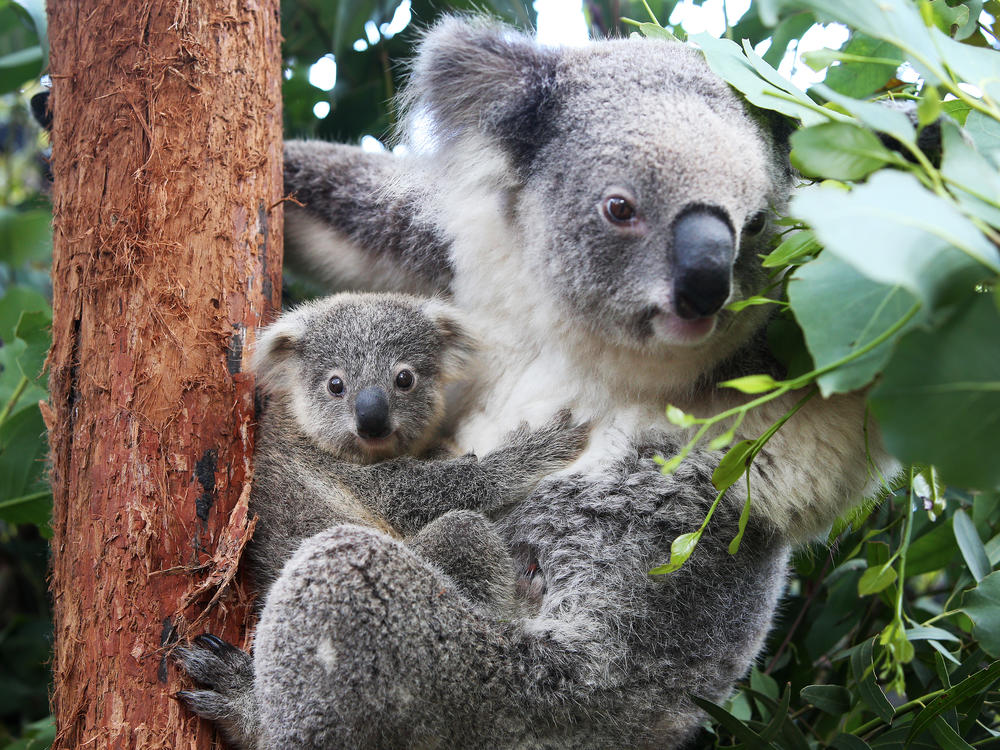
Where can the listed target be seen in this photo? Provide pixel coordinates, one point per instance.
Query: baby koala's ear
(460, 345)
(274, 352)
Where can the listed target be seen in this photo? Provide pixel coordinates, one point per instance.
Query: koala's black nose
(371, 410)
(704, 249)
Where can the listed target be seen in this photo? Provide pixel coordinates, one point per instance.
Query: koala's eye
(404, 380)
(756, 223)
(619, 210)
(336, 386)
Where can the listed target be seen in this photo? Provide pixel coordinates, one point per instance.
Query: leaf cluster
(889, 264)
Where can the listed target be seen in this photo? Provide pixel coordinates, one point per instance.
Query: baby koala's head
(364, 374)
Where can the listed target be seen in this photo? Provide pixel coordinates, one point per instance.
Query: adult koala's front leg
(358, 225)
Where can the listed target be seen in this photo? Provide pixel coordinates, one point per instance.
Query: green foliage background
(885, 273)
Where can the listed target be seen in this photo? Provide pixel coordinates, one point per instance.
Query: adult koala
(592, 210)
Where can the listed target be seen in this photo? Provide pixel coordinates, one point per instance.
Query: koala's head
(641, 186)
(364, 374)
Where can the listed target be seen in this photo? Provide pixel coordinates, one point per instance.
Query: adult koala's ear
(274, 353)
(476, 75)
(459, 345)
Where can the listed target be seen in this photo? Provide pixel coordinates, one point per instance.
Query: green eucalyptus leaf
(722, 441)
(751, 384)
(874, 580)
(733, 465)
(971, 546)
(680, 550)
(946, 737)
(19, 67)
(929, 106)
(668, 466)
(896, 232)
(968, 688)
(840, 311)
(864, 674)
(34, 329)
(859, 78)
(831, 699)
(932, 550)
(25, 236)
(655, 31)
(727, 60)
(971, 177)
(939, 398)
(743, 304)
(849, 742)
(818, 59)
(944, 16)
(985, 133)
(982, 606)
(875, 115)
(957, 110)
(838, 150)
(22, 461)
(751, 739)
(795, 246)
(921, 633)
(36, 11)
(678, 417)
(734, 545)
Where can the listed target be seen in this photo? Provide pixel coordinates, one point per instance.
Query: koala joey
(351, 433)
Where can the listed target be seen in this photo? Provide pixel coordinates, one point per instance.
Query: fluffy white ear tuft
(460, 345)
(473, 74)
(274, 353)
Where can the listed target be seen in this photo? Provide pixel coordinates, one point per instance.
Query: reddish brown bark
(167, 162)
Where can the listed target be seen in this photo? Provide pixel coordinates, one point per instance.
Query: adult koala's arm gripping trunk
(356, 228)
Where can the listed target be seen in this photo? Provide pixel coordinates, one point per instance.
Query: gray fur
(360, 643)
(314, 471)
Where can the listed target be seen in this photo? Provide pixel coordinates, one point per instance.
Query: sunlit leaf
(840, 311)
(896, 232)
(838, 150)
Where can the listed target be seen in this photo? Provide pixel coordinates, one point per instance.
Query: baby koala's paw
(559, 442)
(531, 455)
(228, 700)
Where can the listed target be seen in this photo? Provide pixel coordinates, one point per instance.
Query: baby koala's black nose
(371, 410)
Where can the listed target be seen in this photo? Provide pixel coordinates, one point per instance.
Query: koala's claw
(213, 643)
(227, 672)
(216, 664)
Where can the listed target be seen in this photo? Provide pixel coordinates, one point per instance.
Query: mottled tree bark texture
(167, 169)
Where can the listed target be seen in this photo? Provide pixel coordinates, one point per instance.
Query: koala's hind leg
(466, 546)
(362, 644)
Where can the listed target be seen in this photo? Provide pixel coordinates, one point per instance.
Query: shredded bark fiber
(167, 162)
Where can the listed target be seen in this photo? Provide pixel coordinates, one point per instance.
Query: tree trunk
(167, 163)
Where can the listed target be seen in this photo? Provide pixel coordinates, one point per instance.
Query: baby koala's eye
(404, 380)
(336, 386)
(619, 210)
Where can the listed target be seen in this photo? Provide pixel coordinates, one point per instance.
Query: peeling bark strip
(166, 144)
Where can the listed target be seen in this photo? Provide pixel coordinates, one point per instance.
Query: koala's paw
(227, 673)
(560, 441)
(553, 446)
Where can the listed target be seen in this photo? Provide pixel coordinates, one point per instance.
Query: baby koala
(351, 433)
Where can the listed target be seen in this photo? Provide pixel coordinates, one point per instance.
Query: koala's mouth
(379, 445)
(668, 328)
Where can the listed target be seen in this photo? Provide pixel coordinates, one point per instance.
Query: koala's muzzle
(704, 249)
(371, 412)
